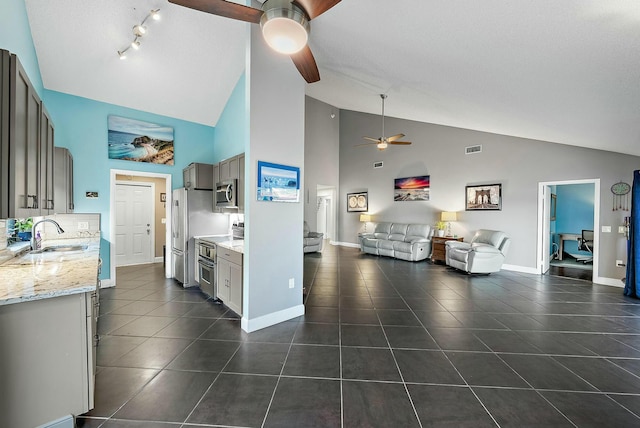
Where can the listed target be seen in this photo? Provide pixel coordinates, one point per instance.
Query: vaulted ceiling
(561, 71)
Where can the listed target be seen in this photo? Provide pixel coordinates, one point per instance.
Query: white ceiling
(562, 71)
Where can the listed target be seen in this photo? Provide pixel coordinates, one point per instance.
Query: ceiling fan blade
(315, 8)
(366, 144)
(400, 142)
(394, 137)
(306, 64)
(377, 140)
(223, 8)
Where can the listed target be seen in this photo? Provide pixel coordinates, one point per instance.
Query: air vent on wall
(473, 149)
(377, 164)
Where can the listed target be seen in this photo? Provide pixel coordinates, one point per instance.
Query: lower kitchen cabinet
(47, 349)
(229, 267)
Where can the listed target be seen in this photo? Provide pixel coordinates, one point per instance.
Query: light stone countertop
(225, 241)
(31, 276)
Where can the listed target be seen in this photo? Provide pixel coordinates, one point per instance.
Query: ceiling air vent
(473, 149)
(377, 164)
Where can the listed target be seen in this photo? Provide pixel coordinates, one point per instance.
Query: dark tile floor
(383, 343)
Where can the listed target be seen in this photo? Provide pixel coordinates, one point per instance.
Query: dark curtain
(632, 283)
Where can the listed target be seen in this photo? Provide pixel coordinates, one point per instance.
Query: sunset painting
(411, 188)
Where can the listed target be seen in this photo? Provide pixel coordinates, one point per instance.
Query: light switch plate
(83, 225)
(606, 229)
(621, 229)
(163, 220)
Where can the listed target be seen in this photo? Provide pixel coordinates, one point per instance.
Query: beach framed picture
(411, 188)
(483, 197)
(138, 141)
(278, 183)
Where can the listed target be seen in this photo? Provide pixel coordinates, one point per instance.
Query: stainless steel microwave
(226, 193)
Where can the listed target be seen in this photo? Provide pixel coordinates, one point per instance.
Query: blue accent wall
(574, 211)
(15, 36)
(81, 126)
(232, 129)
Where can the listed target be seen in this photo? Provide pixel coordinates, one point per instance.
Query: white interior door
(546, 229)
(134, 223)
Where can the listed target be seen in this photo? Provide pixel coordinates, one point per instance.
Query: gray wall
(518, 163)
(273, 231)
(321, 154)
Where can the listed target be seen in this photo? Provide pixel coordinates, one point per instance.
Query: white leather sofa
(404, 241)
(312, 241)
(484, 254)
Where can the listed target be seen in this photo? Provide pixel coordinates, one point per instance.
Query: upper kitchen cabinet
(63, 181)
(241, 183)
(198, 176)
(229, 169)
(26, 137)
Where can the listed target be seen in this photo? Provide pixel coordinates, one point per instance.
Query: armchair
(585, 243)
(312, 241)
(484, 254)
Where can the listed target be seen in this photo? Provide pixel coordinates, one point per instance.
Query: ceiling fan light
(285, 30)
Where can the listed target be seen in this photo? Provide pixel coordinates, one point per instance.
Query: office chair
(585, 243)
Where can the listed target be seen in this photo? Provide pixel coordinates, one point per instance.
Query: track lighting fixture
(139, 31)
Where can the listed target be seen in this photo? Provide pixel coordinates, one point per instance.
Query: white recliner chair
(312, 240)
(484, 254)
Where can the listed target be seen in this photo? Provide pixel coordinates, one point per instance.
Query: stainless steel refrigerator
(192, 215)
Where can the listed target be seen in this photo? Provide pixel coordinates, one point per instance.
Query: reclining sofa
(484, 254)
(404, 241)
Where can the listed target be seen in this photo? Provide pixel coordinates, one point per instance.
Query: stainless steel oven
(207, 268)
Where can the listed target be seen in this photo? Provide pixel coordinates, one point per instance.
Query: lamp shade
(449, 216)
(365, 218)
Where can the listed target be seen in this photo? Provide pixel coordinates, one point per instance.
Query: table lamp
(365, 218)
(449, 216)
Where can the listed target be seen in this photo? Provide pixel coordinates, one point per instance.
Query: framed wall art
(357, 202)
(411, 188)
(138, 141)
(278, 183)
(553, 207)
(483, 197)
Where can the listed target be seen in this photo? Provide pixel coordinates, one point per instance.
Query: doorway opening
(568, 211)
(160, 198)
(326, 211)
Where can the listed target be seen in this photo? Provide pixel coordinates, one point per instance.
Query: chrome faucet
(35, 244)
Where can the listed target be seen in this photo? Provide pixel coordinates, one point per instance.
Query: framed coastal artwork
(483, 197)
(138, 141)
(278, 183)
(411, 188)
(357, 202)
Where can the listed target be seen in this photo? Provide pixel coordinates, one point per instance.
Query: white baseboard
(250, 325)
(614, 282)
(347, 244)
(63, 422)
(158, 259)
(106, 283)
(522, 269)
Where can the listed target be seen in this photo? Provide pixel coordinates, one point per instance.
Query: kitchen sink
(60, 248)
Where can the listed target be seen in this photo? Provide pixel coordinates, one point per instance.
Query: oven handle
(206, 263)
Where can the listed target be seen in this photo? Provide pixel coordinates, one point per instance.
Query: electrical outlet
(83, 225)
(606, 229)
(291, 283)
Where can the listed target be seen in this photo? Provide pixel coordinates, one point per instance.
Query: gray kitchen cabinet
(26, 141)
(47, 349)
(241, 182)
(47, 203)
(229, 169)
(63, 181)
(229, 267)
(198, 176)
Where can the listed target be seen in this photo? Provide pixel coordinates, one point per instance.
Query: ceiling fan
(383, 142)
(284, 23)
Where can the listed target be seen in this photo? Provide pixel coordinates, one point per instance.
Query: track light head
(122, 54)
(155, 14)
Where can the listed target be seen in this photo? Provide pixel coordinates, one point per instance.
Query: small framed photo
(357, 202)
(483, 197)
(163, 197)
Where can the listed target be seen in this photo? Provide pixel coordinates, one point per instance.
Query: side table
(438, 247)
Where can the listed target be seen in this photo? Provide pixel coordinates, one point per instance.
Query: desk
(566, 237)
